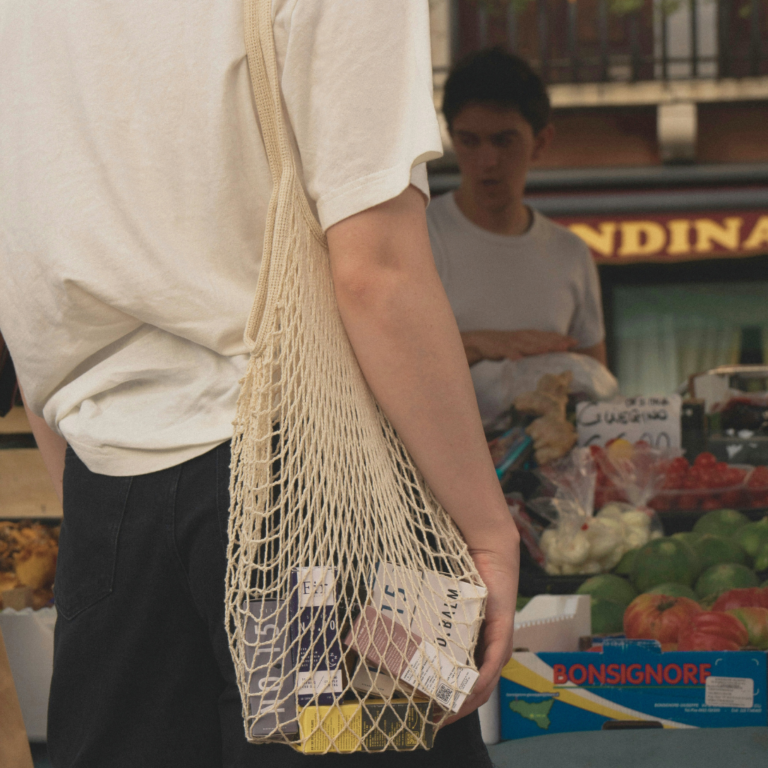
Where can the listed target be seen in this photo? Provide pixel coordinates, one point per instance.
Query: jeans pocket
(94, 506)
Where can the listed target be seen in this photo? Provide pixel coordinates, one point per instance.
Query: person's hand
(513, 345)
(498, 567)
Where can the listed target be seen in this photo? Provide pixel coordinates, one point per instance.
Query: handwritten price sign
(653, 419)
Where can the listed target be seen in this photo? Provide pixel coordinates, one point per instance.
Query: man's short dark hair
(496, 78)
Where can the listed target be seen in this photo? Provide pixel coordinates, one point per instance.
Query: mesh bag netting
(353, 605)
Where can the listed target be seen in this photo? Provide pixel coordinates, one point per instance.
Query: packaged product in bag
(443, 617)
(580, 539)
(637, 471)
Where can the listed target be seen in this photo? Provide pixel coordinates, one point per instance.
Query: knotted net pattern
(353, 606)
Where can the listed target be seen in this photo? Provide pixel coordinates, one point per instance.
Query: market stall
(659, 511)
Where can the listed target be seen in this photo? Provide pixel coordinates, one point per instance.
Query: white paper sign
(735, 692)
(653, 419)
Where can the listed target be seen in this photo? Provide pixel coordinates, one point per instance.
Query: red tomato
(658, 617)
(668, 647)
(755, 480)
(719, 476)
(700, 641)
(705, 460)
(712, 631)
(671, 482)
(742, 598)
(678, 465)
(758, 478)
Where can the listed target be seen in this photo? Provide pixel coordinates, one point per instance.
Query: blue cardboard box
(631, 680)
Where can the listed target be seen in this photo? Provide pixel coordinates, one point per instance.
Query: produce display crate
(534, 580)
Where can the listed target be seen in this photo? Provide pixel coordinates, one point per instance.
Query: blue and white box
(315, 636)
(631, 680)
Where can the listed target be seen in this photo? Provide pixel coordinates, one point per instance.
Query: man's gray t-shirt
(544, 279)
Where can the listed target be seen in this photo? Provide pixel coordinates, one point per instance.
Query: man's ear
(542, 140)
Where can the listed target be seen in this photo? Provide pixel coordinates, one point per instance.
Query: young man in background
(518, 283)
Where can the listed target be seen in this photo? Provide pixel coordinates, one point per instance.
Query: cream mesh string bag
(353, 606)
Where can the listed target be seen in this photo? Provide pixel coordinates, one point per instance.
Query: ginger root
(553, 437)
(550, 397)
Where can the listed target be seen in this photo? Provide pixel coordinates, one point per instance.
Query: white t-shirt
(135, 186)
(544, 279)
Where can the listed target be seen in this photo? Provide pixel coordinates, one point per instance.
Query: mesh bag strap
(265, 81)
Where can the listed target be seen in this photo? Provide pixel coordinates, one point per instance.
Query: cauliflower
(575, 549)
(605, 535)
(612, 510)
(636, 518)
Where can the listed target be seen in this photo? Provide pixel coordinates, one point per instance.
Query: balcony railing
(589, 41)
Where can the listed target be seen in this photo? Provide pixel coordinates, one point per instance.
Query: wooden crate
(25, 488)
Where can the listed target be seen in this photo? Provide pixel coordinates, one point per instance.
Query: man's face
(494, 148)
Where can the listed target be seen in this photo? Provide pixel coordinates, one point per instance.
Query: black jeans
(142, 673)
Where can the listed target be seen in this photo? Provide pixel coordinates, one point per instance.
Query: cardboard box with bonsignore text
(631, 681)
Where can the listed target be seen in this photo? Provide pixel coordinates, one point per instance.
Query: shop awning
(654, 214)
(676, 236)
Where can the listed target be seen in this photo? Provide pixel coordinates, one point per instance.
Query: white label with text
(656, 420)
(737, 692)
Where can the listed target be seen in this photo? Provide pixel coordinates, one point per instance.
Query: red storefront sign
(672, 237)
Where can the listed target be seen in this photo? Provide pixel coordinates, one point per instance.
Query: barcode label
(429, 667)
(444, 694)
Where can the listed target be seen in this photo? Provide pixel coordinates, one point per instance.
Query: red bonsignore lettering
(634, 674)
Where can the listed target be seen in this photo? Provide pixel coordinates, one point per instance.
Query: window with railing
(588, 41)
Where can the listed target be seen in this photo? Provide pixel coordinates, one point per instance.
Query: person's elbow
(381, 253)
(366, 281)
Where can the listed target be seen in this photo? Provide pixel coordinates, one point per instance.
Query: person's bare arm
(597, 351)
(513, 345)
(52, 448)
(406, 340)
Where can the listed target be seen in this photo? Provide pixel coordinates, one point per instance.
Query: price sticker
(735, 692)
(656, 420)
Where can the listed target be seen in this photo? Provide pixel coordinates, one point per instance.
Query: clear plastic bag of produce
(581, 541)
(637, 471)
